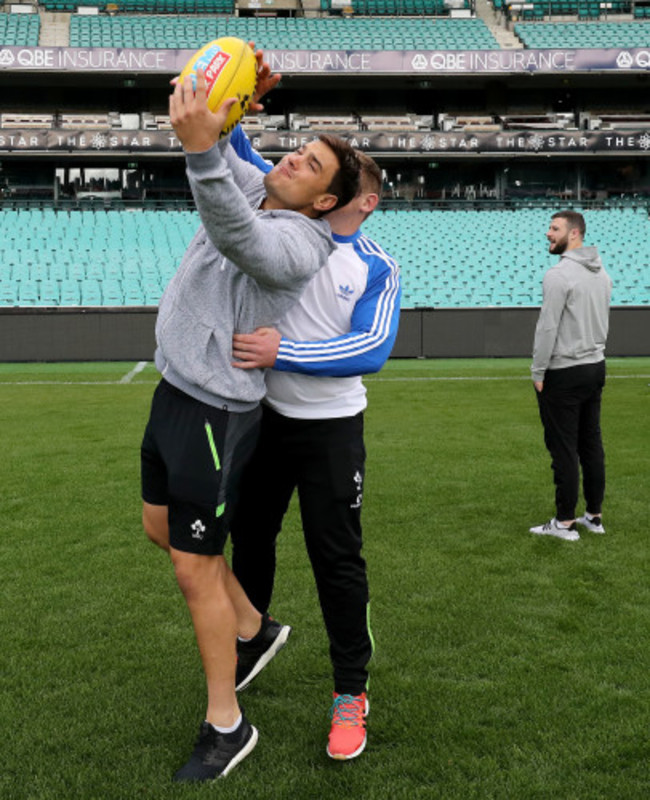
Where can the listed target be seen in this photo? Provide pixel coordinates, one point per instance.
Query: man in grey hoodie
(568, 372)
(260, 242)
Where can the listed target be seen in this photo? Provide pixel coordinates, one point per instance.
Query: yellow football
(230, 70)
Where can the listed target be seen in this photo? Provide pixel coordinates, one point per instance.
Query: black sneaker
(254, 655)
(215, 754)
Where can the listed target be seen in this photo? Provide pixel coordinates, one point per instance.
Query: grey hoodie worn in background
(244, 268)
(574, 319)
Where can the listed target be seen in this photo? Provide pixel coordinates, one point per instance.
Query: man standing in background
(569, 374)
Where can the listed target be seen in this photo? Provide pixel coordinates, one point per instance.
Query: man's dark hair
(345, 183)
(371, 178)
(574, 220)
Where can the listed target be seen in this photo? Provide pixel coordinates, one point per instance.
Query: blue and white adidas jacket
(344, 326)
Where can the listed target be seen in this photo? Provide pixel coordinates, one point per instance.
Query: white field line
(75, 383)
(137, 369)
(369, 379)
(479, 378)
(125, 379)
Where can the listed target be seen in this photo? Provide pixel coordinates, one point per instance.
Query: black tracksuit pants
(325, 460)
(569, 406)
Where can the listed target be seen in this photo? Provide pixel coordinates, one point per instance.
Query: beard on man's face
(559, 246)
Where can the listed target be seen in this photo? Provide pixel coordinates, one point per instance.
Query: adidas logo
(345, 292)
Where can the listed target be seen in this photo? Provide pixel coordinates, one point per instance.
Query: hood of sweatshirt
(586, 256)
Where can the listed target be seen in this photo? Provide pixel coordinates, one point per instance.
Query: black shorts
(192, 458)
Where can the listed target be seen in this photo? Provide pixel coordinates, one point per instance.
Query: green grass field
(507, 665)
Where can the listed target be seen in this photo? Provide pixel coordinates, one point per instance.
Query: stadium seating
(424, 8)
(451, 271)
(584, 34)
(115, 258)
(276, 33)
(21, 30)
(364, 7)
(89, 258)
(147, 6)
(583, 9)
(26, 120)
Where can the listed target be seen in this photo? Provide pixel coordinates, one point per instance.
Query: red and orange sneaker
(348, 733)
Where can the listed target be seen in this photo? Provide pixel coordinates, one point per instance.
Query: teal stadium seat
(91, 293)
(27, 292)
(77, 268)
(49, 293)
(112, 294)
(70, 292)
(133, 296)
(8, 293)
(39, 270)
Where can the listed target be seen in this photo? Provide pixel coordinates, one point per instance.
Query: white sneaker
(593, 524)
(554, 528)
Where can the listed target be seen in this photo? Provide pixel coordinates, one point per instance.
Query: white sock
(250, 639)
(231, 729)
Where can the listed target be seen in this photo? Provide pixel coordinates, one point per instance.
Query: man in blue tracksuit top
(344, 325)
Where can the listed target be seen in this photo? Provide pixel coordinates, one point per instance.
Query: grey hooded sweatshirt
(574, 319)
(243, 269)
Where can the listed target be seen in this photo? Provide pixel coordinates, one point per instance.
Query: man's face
(301, 178)
(558, 236)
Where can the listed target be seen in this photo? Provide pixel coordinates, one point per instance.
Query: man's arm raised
(197, 128)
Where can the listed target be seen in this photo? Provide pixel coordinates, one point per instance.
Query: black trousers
(325, 460)
(569, 407)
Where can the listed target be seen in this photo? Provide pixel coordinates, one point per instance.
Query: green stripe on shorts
(215, 457)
